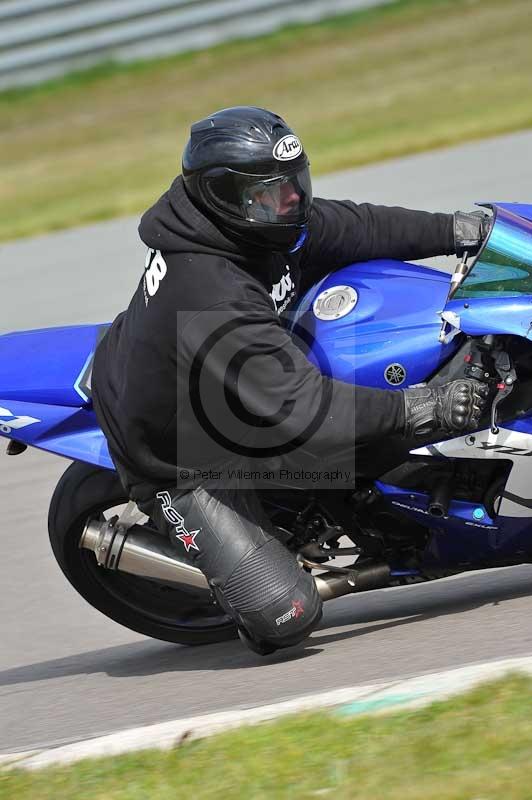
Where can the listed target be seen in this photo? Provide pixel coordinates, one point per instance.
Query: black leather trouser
(255, 578)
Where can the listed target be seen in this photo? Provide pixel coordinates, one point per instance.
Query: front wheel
(148, 607)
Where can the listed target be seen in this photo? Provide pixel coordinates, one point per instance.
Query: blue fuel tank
(376, 323)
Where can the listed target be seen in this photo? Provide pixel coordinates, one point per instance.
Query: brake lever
(508, 376)
(503, 390)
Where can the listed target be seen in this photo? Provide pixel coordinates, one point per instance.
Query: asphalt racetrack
(66, 672)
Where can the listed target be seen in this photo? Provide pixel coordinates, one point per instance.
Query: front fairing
(496, 295)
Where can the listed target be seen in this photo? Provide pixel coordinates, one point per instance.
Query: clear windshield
(504, 265)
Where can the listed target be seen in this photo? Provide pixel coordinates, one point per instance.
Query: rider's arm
(342, 232)
(240, 345)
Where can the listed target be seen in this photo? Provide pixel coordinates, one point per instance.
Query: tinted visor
(285, 199)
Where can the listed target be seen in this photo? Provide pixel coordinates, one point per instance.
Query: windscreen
(504, 265)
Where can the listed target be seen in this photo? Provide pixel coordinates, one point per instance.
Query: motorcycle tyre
(83, 491)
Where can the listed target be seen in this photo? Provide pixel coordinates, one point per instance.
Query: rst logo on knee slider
(295, 612)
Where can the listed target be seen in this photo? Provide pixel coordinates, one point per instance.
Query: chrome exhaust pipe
(138, 552)
(337, 584)
(141, 553)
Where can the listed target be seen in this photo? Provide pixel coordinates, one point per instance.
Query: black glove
(454, 407)
(470, 230)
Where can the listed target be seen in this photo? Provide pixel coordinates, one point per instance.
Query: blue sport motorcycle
(430, 511)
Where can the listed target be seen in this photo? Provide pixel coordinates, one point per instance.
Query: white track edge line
(413, 691)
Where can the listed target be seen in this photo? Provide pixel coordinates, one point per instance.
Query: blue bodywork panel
(67, 431)
(45, 392)
(462, 539)
(48, 366)
(395, 320)
(494, 315)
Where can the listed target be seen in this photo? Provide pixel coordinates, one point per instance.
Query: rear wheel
(148, 607)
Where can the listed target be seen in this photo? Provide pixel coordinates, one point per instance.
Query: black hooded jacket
(207, 316)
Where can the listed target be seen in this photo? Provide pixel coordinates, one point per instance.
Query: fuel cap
(335, 302)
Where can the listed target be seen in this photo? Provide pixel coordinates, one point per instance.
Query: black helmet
(248, 171)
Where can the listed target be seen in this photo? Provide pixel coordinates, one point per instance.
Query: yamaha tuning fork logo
(287, 148)
(395, 374)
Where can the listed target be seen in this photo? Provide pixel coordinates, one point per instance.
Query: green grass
(475, 747)
(402, 78)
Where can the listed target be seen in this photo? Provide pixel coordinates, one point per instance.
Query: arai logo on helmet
(287, 148)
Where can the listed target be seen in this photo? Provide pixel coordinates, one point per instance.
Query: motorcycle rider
(199, 375)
